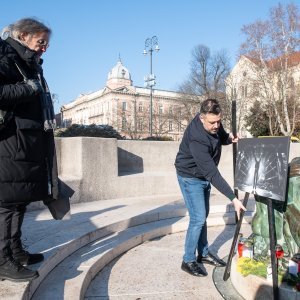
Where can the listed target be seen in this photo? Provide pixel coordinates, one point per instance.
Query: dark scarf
(47, 106)
(33, 61)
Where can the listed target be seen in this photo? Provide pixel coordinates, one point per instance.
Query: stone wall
(100, 168)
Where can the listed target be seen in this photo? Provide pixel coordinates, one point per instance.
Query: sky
(89, 36)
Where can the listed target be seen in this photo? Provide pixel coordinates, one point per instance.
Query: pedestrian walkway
(76, 250)
(152, 271)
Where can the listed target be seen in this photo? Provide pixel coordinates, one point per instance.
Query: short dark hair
(210, 106)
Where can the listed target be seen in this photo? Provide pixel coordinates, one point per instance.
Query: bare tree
(206, 80)
(189, 104)
(271, 45)
(128, 120)
(133, 120)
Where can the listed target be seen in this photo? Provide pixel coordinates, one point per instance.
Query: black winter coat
(27, 152)
(199, 155)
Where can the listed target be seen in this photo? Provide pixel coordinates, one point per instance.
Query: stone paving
(155, 274)
(152, 270)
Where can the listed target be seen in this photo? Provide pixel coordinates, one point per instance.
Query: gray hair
(30, 26)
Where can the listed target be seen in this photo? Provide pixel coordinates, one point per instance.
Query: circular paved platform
(152, 270)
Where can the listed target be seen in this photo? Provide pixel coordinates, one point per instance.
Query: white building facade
(252, 80)
(127, 108)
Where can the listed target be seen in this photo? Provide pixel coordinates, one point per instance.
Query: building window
(244, 91)
(171, 110)
(141, 106)
(179, 126)
(170, 125)
(124, 122)
(160, 109)
(179, 112)
(124, 106)
(233, 93)
(160, 127)
(140, 126)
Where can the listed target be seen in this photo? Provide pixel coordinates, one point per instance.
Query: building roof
(119, 82)
(293, 60)
(119, 72)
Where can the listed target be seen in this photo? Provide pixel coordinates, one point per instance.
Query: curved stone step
(58, 239)
(93, 221)
(71, 278)
(84, 234)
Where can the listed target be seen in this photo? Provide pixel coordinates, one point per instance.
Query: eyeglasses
(43, 43)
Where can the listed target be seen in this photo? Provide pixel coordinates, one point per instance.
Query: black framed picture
(262, 166)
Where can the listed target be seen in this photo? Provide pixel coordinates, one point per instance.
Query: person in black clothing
(28, 169)
(197, 168)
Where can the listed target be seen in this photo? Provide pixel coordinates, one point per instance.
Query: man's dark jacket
(27, 152)
(199, 155)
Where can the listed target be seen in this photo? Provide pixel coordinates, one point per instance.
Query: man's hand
(238, 206)
(234, 139)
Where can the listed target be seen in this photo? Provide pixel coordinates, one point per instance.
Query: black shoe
(11, 270)
(211, 260)
(193, 268)
(25, 258)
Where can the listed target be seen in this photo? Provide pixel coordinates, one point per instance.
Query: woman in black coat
(28, 169)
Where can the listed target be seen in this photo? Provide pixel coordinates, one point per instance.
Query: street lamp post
(151, 44)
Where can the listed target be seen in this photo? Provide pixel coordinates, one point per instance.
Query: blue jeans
(196, 194)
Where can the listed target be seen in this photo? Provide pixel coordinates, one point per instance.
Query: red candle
(279, 252)
(240, 248)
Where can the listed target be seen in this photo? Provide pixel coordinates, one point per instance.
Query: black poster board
(262, 169)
